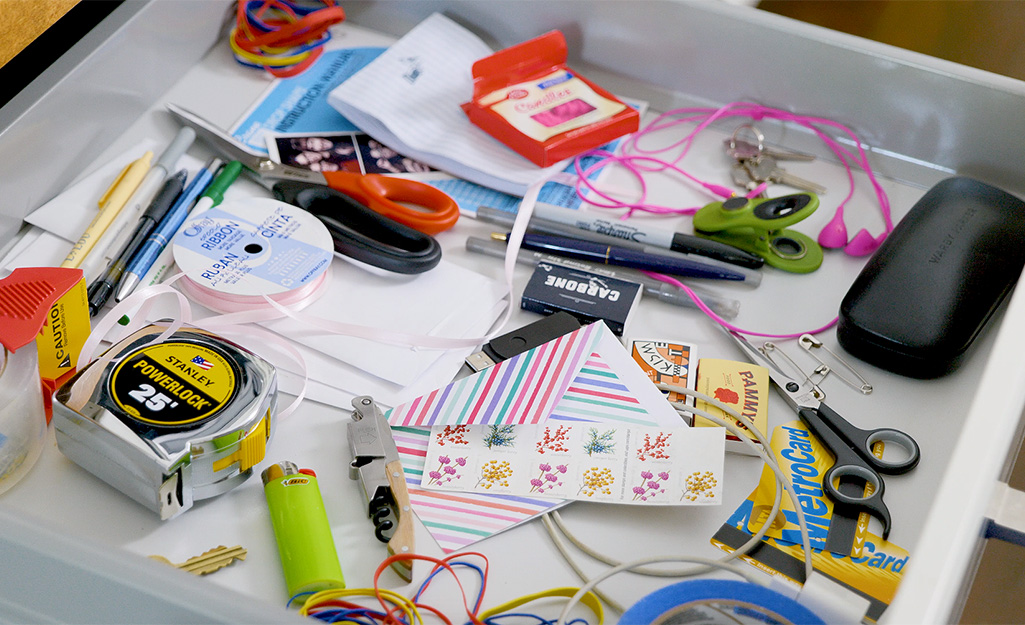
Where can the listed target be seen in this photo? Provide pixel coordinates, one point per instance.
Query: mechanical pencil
(122, 227)
(101, 289)
(621, 256)
(671, 294)
(752, 277)
(164, 231)
(111, 203)
(675, 241)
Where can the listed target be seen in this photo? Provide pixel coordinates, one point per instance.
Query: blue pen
(161, 236)
(623, 257)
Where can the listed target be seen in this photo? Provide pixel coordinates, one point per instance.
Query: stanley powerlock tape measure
(168, 422)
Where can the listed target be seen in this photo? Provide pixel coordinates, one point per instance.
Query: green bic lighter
(305, 544)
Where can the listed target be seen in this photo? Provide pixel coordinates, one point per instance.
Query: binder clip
(759, 226)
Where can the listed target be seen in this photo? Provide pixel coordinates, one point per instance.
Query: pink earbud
(834, 233)
(863, 243)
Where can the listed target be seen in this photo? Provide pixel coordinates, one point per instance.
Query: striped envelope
(586, 375)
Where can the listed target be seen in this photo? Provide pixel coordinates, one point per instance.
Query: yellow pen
(110, 205)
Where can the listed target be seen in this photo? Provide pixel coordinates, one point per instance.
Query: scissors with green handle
(851, 446)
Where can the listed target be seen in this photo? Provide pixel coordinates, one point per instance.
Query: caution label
(173, 384)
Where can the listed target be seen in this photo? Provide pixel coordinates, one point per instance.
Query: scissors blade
(798, 394)
(234, 150)
(230, 147)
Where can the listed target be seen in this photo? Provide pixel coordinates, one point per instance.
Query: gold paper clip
(810, 344)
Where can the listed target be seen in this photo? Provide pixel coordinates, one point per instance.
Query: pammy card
(579, 461)
(741, 386)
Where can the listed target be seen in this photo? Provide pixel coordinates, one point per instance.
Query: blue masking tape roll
(715, 602)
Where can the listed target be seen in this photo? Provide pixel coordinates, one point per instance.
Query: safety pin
(810, 343)
(768, 348)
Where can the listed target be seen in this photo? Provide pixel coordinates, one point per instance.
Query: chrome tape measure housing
(171, 422)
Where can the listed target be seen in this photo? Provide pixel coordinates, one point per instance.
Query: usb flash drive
(522, 339)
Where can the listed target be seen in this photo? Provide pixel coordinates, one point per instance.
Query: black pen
(103, 287)
(675, 241)
(505, 219)
(664, 292)
(622, 256)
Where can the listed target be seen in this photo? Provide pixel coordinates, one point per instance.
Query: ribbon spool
(717, 602)
(241, 253)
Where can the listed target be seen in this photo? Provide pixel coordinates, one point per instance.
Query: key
(765, 169)
(213, 560)
(742, 177)
(741, 150)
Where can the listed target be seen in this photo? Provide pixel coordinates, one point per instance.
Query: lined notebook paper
(408, 98)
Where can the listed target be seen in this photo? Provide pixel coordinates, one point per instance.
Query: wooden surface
(986, 34)
(21, 21)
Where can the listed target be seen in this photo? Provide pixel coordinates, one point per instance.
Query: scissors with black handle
(851, 446)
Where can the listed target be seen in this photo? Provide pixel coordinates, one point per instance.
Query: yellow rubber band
(405, 605)
(589, 599)
(263, 60)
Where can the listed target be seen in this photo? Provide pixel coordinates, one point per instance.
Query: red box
(528, 99)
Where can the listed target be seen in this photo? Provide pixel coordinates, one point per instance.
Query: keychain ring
(757, 133)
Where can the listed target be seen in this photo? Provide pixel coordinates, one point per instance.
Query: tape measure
(169, 422)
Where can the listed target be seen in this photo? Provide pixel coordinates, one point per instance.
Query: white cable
(637, 566)
(589, 586)
(762, 453)
(780, 479)
(546, 520)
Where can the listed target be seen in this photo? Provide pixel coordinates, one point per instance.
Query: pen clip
(142, 160)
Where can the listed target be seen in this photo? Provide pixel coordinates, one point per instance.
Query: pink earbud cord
(639, 162)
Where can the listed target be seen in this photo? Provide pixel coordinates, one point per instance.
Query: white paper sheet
(408, 98)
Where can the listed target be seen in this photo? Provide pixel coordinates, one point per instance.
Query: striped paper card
(605, 385)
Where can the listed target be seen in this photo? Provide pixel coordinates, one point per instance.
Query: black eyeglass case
(927, 292)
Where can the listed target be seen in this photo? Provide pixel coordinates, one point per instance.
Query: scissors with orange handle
(415, 204)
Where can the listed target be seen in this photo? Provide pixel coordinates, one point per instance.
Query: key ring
(757, 133)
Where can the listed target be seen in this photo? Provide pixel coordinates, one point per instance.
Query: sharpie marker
(675, 241)
(622, 257)
(505, 219)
